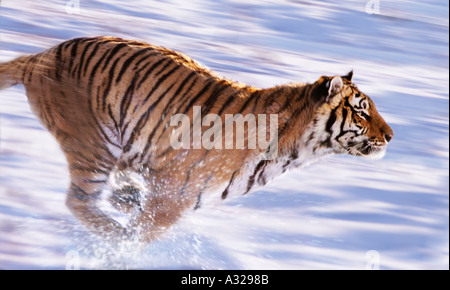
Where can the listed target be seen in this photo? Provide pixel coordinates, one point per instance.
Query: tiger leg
(82, 197)
(158, 215)
(90, 167)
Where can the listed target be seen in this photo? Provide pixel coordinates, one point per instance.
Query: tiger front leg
(158, 214)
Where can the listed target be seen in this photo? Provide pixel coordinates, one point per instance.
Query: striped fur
(108, 102)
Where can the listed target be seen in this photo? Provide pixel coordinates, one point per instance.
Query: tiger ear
(335, 85)
(349, 76)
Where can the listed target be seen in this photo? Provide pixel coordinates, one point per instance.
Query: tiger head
(348, 122)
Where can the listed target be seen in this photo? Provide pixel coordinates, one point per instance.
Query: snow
(337, 214)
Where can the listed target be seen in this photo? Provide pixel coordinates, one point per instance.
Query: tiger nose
(389, 135)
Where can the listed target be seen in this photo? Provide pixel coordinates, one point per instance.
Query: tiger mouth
(368, 150)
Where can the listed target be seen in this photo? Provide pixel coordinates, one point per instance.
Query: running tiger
(109, 102)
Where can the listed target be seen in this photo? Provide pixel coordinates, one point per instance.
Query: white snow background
(342, 213)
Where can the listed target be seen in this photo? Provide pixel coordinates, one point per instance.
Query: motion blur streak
(328, 216)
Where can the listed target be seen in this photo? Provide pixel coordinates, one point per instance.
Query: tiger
(108, 102)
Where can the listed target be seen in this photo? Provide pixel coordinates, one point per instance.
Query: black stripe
(136, 130)
(285, 165)
(348, 105)
(213, 98)
(131, 160)
(77, 192)
(163, 68)
(123, 132)
(367, 117)
(160, 81)
(110, 113)
(161, 97)
(257, 101)
(75, 69)
(99, 128)
(274, 95)
(182, 85)
(251, 179)
(73, 55)
(344, 117)
(261, 178)
(188, 175)
(199, 199)
(228, 102)
(144, 66)
(150, 70)
(138, 63)
(170, 103)
(95, 181)
(89, 58)
(225, 192)
(125, 103)
(110, 79)
(69, 43)
(294, 154)
(112, 53)
(65, 46)
(30, 69)
(209, 83)
(251, 98)
(331, 120)
(94, 71)
(199, 196)
(58, 62)
(129, 60)
(165, 152)
(184, 98)
(82, 58)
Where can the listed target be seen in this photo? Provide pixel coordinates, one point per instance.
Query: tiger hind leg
(82, 200)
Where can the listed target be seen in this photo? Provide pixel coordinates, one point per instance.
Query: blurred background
(343, 213)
